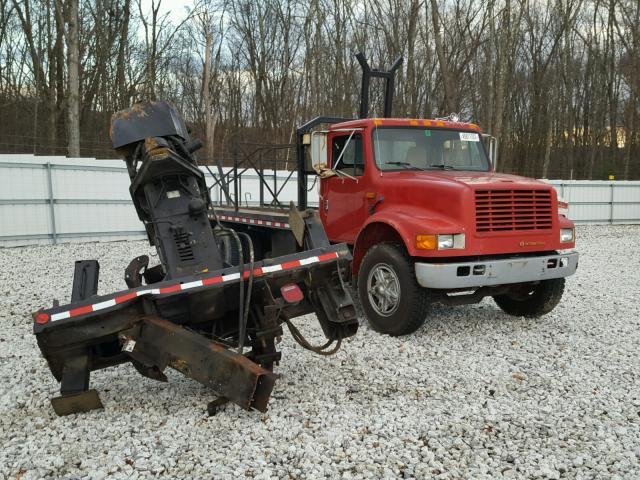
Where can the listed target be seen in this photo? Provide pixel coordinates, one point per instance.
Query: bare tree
(555, 81)
(73, 72)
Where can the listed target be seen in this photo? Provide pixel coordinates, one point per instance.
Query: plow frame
(103, 331)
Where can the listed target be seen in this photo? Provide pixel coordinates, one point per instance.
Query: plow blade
(159, 343)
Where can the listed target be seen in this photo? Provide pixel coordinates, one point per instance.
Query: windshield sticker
(469, 137)
(427, 133)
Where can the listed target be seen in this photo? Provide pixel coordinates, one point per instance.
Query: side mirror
(319, 151)
(323, 171)
(491, 143)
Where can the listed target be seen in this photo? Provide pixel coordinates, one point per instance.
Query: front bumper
(496, 272)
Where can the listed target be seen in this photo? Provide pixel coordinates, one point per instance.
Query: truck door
(342, 196)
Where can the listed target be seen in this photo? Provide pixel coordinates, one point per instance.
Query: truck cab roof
(404, 122)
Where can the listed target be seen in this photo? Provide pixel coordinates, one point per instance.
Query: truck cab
(429, 220)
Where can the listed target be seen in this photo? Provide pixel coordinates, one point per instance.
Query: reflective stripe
(102, 305)
(196, 284)
(257, 272)
(153, 291)
(307, 261)
(60, 316)
(272, 268)
(231, 276)
(254, 221)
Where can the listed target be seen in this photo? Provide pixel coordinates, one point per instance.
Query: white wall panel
(21, 183)
(627, 192)
(96, 217)
(29, 219)
(90, 184)
(601, 201)
(626, 213)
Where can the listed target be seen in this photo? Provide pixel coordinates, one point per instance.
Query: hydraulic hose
(304, 343)
(245, 300)
(243, 323)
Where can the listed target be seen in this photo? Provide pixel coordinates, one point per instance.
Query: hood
(449, 195)
(489, 179)
(473, 180)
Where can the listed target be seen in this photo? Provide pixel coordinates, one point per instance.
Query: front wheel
(390, 296)
(532, 300)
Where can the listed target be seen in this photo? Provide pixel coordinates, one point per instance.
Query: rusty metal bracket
(76, 403)
(160, 343)
(75, 395)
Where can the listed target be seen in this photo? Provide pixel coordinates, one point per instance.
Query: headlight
(440, 242)
(447, 242)
(566, 235)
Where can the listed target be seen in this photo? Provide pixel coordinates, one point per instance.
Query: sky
(176, 8)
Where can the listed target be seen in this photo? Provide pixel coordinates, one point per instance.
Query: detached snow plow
(210, 309)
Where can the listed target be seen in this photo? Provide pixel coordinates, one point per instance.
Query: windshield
(428, 149)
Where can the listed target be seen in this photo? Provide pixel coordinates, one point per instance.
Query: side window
(352, 160)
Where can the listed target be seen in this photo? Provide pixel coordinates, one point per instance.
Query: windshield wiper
(406, 165)
(442, 166)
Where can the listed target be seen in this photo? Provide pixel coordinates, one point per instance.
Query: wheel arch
(372, 234)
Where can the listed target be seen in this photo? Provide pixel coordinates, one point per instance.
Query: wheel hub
(383, 288)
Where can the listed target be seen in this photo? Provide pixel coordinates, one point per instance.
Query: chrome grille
(513, 210)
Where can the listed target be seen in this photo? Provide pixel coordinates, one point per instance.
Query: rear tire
(532, 301)
(388, 291)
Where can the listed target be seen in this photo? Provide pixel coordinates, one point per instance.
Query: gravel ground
(473, 394)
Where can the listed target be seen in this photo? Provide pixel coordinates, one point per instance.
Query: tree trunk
(629, 137)
(209, 118)
(73, 107)
(121, 94)
(505, 49)
(447, 80)
(547, 148)
(59, 81)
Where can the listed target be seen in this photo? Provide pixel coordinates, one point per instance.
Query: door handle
(326, 205)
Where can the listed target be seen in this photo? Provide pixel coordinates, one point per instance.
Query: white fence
(47, 200)
(598, 201)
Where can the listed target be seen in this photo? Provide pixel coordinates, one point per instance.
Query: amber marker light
(426, 242)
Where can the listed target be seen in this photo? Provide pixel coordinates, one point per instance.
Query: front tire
(532, 300)
(390, 296)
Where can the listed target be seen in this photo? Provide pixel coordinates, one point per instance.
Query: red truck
(427, 217)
